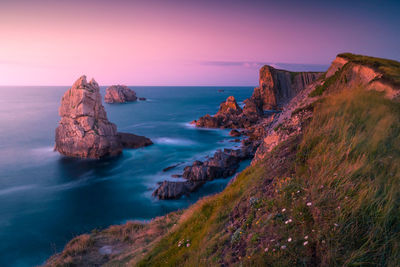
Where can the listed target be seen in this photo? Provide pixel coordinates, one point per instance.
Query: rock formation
(119, 94)
(229, 115)
(278, 87)
(223, 164)
(129, 140)
(84, 130)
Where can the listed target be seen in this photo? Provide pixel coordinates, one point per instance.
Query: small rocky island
(84, 130)
(120, 94)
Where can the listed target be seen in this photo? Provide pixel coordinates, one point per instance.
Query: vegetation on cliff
(334, 200)
(390, 69)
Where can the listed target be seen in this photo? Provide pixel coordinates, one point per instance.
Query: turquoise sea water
(46, 199)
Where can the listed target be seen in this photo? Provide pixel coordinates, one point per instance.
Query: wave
(174, 141)
(16, 189)
(47, 151)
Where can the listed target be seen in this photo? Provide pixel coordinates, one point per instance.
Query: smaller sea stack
(119, 94)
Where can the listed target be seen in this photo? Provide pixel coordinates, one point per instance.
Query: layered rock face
(119, 94)
(84, 130)
(345, 73)
(278, 87)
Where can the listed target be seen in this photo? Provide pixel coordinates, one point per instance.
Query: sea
(47, 199)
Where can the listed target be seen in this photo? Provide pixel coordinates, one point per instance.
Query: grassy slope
(389, 68)
(339, 196)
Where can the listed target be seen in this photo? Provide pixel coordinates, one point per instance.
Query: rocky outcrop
(119, 94)
(278, 87)
(223, 164)
(84, 130)
(175, 190)
(129, 140)
(229, 115)
(349, 71)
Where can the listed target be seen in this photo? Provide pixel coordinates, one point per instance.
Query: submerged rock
(119, 94)
(129, 140)
(174, 190)
(84, 130)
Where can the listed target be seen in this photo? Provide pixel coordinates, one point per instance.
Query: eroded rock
(119, 94)
(84, 130)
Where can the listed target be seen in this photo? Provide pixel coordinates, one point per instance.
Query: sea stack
(119, 94)
(84, 130)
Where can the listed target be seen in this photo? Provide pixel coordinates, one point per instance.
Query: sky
(184, 42)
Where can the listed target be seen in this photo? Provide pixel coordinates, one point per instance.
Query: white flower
(288, 221)
(309, 204)
(289, 239)
(305, 243)
(306, 237)
(283, 210)
(298, 191)
(336, 225)
(283, 247)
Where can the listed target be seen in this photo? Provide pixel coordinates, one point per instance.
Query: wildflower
(309, 204)
(288, 221)
(323, 241)
(273, 250)
(305, 243)
(289, 239)
(188, 245)
(272, 240)
(266, 249)
(313, 230)
(298, 191)
(306, 237)
(336, 225)
(338, 207)
(283, 210)
(283, 247)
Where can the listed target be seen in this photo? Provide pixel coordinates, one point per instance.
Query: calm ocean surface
(45, 199)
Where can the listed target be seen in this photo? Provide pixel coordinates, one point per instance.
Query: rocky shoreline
(276, 89)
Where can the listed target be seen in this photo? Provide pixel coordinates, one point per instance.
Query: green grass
(390, 69)
(343, 198)
(351, 152)
(320, 89)
(204, 228)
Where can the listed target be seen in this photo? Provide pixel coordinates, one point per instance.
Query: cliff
(324, 191)
(278, 87)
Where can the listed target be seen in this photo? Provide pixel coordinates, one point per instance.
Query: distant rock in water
(129, 140)
(142, 99)
(84, 130)
(119, 94)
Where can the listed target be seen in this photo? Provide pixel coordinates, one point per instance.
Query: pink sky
(173, 42)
